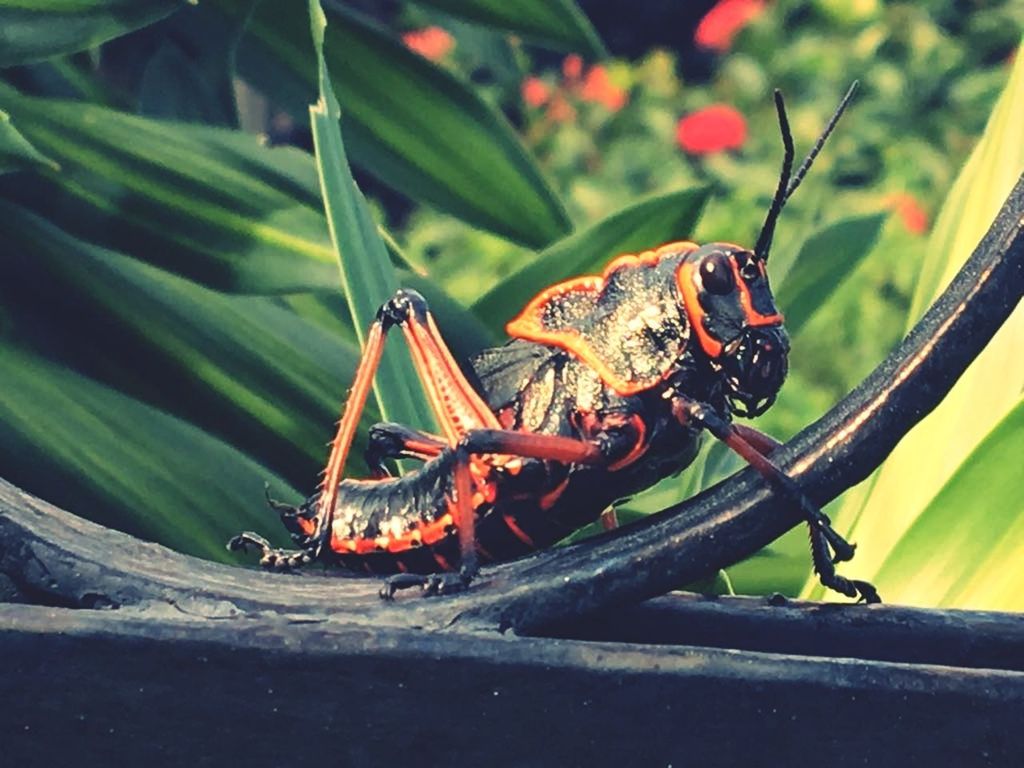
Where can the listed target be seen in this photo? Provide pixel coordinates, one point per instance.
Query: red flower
(910, 211)
(712, 129)
(535, 92)
(597, 87)
(431, 43)
(721, 24)
(572, 68)
(560, 110)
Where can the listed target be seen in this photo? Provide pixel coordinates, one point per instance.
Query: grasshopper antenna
(788, 181)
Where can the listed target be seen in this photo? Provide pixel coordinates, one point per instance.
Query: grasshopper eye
(716, 274)
(748, 267)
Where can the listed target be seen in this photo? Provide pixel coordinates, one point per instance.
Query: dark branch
(733, 520)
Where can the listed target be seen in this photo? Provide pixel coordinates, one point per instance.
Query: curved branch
(733, 520)
(53, 557)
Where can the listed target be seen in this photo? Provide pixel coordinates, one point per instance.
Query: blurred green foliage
(171, 320)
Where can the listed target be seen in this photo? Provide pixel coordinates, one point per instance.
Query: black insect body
(606, 387)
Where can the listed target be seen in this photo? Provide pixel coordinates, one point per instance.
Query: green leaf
(105, 456)
(965, 213)
(33, 30)
(644, 225)
(880, 512)
(964, 548)
(368, 279)
(411, 123)
(67, 77)
(556, 23)
(191, 75)
(207, 203)
(827, 258)
(464, 332)
(243, 367)
(16, 152)
(174, 87)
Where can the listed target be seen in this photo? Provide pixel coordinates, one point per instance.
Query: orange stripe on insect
(343, 546)
(437, 530)
(639, 447)
(648, 258)
(442, 561)
(547, 501)
(528, 324)
(569, 339)
(694, 311)
(754, 318)
(687, 284)
(519, 532)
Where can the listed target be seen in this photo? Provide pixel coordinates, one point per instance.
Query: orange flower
(721, 24)
(431, 43)
(560, 110)
(712, 129)
(910, 211)
(535, 92)
(597, 87)
(572, 68)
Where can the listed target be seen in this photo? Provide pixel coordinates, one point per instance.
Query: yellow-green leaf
(965, 548)
(880, 512)
(825, 260)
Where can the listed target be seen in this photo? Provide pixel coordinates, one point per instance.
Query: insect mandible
(606, 387)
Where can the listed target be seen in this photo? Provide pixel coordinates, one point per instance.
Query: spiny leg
(459, 409)
(826, 570)
(465, 524)
(505, 443)
(454, 402)
(317, 526)
(457, 406)
(765, 445)
(274, 557)
(290, 515)
(270, 556)
(395, 441)
(466, 420)
(465, 513)
(736, 437)
(822, 534)
(320, 526)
